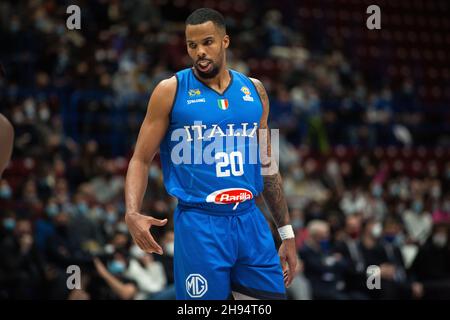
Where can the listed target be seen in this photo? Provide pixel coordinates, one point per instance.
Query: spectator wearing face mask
(149, 276)
(22, 267)
(372, 254)
(442, 213)
(167, 242)
(432, 264)
(118, 286)
(61, 248)
(398, 285)
(8, 224)
(82, 224)
(353, 202)
(5, 191)
(418, 222)
(323, 268)
(350, 248)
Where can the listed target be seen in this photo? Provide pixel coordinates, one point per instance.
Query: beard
(214, 71)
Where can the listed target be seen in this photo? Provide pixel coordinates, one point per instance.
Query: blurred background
(364, 117)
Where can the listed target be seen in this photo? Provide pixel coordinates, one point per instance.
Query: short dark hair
(203, 15)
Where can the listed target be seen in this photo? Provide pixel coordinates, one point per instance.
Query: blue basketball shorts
(217, 254)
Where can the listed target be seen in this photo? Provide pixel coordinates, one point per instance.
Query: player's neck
(220, 82)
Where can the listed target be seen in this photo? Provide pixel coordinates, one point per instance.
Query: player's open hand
(139, 227)
(288, 257)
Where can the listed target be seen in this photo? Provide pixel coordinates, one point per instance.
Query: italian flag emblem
(223, 104)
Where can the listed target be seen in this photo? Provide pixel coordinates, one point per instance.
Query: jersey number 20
(233, 161)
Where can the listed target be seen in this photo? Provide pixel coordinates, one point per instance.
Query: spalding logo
(231, 195)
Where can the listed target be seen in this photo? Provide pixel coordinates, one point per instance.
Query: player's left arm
(274, 197)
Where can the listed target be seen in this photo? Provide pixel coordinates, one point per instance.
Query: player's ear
(226, 41)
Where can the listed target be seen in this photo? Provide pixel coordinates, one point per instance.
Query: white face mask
(169, 248)
(136, 252)
(377, 230)
(440, 240)
(44, 114)
(122, 227)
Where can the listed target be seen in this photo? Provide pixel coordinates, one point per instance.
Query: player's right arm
(152, 131)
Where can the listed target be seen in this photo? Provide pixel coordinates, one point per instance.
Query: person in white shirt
(148, 273)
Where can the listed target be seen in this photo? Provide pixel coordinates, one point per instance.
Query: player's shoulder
(258, 84)
(5, 125)
(260, 88)
(167, 85)
(163, 95)
(166, 89)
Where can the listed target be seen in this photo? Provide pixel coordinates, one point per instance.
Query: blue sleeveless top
(209, 155)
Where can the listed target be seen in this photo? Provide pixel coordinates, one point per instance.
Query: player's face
(206, 46)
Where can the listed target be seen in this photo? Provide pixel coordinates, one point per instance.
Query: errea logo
(196, 285)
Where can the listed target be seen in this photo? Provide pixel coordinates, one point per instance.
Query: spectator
(432, 264)
(121, 287)
(149, 276)
(167, 243)
(22, 267)
(351, 250)
(418, 222)
(398, 284)
(323, 268)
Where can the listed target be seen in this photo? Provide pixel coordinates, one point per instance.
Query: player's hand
(288, 258)
(139, 226)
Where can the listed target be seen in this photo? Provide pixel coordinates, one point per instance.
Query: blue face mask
(325, 245)
(153, 173)
(418, 206)
(111, 217)
(83, 208)
(99, 213)
(377, 191)
(297, 223)
(52, 210)
(5, 192)
(116, 267)
(9, 224)
(395, 190)
(390, 238)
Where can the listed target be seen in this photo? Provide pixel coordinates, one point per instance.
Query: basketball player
(223, 244)
(6, 142)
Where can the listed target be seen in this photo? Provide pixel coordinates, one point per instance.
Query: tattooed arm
(273, 191)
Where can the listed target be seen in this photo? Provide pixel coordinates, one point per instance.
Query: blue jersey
(209, 155)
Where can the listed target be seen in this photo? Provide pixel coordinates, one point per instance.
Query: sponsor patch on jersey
(194, 92)
(229, 196)
(195, 100)
(247, 94)
(196, 285)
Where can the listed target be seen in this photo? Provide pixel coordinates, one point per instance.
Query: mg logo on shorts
(196, 285)
(227, 196)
